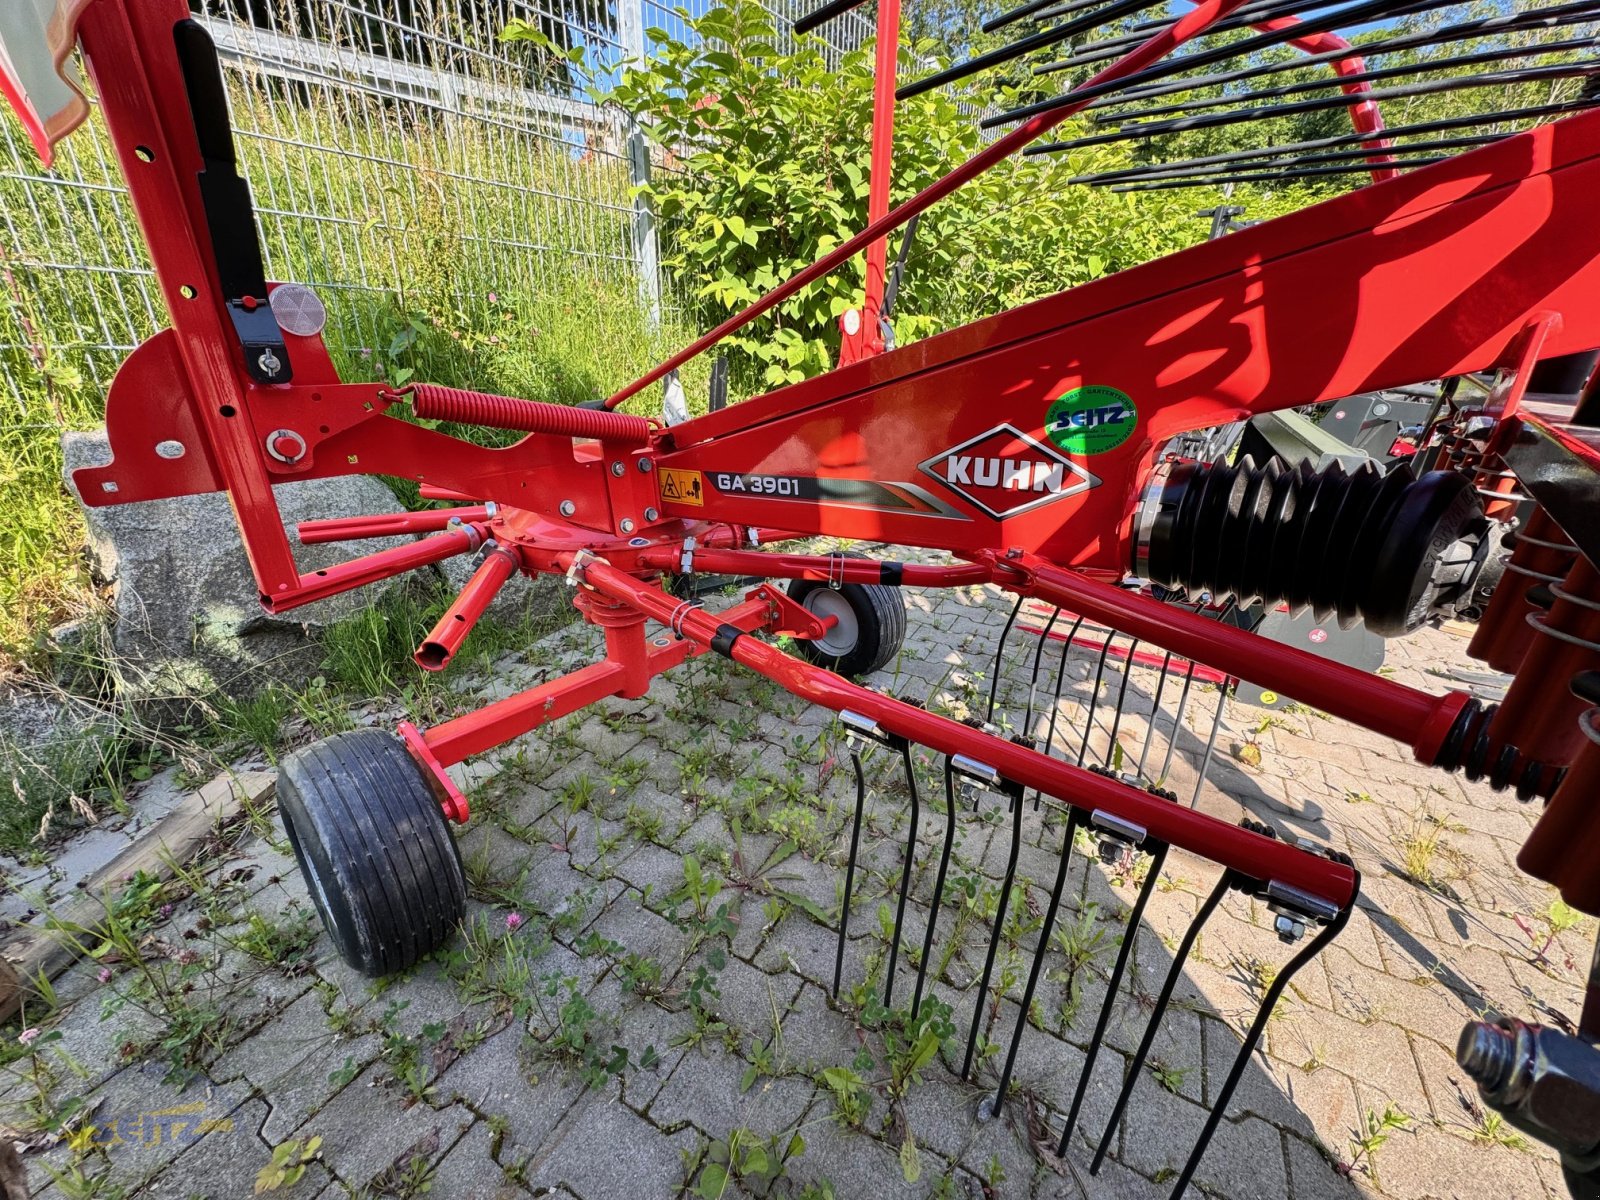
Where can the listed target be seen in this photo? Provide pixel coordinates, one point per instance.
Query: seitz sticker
(1091, 420)
(1004, 472)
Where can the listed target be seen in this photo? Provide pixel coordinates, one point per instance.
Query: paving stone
(368, 1125)
(705, 1091)
(504, 1078)
(603, 1151)
(1244, 1158)
(469, 1169)
(223, 1165)
(860, 1166)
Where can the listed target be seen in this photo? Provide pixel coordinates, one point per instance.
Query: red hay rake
(1037, 447)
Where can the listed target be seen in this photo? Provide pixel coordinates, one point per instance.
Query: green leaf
(910, 1161)
(713, 1182)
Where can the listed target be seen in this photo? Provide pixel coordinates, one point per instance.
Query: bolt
(617, 469)
(627, 524)
(1488, 1054)
(651, 514)
(1111, 851)
(568, 508)
(269, 363)
(645, 464)
(1288, 929)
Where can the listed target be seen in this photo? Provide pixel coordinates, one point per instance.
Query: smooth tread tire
(374, 848)
(878, 614)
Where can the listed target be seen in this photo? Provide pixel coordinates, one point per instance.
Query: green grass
(452, 253)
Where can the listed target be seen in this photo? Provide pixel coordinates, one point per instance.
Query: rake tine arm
(905, 872)
(343, 577)
(826, 568)
(938, 883)
(1015, 794)
(344, 529)
(1315, 946)
(999, 655)
(1158, 858)
(1074, 823)
(440, 646)
(1252, 855)
(1033, 681)
(850, 867)
(1179, 957)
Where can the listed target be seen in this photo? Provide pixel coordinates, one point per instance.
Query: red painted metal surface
(440, 646)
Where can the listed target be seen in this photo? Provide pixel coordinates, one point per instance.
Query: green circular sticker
(1091, 420)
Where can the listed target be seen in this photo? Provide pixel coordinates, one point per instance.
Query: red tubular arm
(342, 529)
(370, 568)
(1414, 717)
(816, 566)
(441, 645)
(1189, 25)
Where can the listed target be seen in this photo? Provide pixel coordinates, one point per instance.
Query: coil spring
(1469, 747)
(529, 416)
(1360, 544)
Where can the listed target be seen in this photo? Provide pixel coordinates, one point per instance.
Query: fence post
(646, 254)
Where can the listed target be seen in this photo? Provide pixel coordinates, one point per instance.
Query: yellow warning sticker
(683, 487)
(1269, 697)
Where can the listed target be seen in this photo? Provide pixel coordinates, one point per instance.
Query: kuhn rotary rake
(1036, 447)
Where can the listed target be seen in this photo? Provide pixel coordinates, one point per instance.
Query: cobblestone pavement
(643, 991)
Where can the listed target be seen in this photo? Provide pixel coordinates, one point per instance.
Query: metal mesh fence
(391, 145)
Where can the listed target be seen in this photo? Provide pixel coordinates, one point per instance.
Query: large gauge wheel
(373, 845)
(869, 624)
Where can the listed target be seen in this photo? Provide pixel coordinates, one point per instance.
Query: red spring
(529, 416)
(1543, 554)
(1539, 715)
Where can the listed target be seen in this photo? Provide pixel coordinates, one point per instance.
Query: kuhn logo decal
(1005, 472)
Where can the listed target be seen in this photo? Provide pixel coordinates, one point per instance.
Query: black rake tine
(1439, 125)
(1122, 694)
(1155, 711)
(1034, 7)
(1354, 14)
(1322, 104)
(1554, 18)
(1158, 858)
(1136, 1064)
(1110, 11)
(1325, 935)
(1276, 160)
(1167, 185)
(999, 653)
(1199, 103)
(1094, 693)
(1211, 743)
(905, 873)
(1033, 682)
(850, 868)
(1177, 720)
(1015, 794)
(1075, 821)
(821, 16)
(1055, 705)
(938, 884)
(1093, 52)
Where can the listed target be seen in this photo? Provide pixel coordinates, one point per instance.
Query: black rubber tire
(374, 847)
(880, 612)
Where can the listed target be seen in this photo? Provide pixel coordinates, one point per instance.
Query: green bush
(765, 168)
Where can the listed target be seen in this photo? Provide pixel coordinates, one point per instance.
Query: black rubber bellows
(1360, 545)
